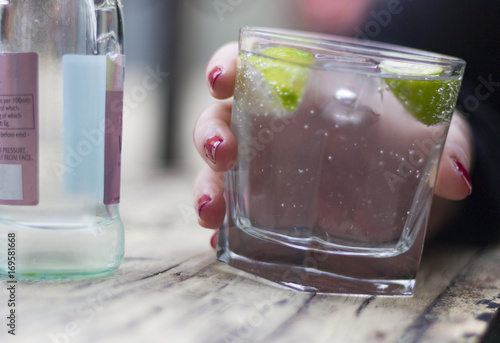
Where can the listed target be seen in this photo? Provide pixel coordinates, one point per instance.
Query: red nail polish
(211, 146)
(213, 241)
(465, 175)
(214, 75)
(204, 200)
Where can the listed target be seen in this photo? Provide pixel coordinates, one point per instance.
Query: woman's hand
(214, 140)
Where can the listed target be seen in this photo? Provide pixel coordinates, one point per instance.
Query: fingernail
(465, 175)
(213, 241)
(204, 200)
(211, 146)
(214, 75)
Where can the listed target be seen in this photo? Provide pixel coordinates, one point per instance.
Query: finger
(221, 71)
(453, 180)
(213, 138)
(209, 198)
(215, 238)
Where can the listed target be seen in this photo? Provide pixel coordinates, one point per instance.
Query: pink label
(113, 146)
(19, 129)
(113, 129)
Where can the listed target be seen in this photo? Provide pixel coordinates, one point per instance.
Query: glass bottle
(61, 100)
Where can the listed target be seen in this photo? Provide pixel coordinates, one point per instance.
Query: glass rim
(350, 45)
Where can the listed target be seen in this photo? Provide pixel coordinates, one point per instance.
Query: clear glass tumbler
(339, 143)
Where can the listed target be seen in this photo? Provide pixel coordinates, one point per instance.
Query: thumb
(453, 180)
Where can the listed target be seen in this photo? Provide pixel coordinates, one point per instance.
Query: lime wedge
(429, 101)
(285, 69)
(396, 67)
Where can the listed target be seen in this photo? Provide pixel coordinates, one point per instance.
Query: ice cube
(349, 114)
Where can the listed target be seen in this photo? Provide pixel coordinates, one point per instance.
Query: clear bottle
(61, 100)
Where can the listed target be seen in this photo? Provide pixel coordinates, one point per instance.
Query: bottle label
(92, 112)
(113, 129)
(19, 129)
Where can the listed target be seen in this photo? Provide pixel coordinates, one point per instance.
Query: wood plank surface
(170, 288)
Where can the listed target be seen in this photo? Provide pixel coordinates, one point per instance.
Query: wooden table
(170, 288)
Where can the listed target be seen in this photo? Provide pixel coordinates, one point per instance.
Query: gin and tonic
(339, 143)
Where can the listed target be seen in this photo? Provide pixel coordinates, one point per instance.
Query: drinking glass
(339, 142)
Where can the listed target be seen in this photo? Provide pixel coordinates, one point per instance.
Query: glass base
(60, 252)
(320, 271)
